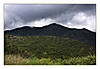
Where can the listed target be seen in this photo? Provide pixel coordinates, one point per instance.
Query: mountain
(54, 29)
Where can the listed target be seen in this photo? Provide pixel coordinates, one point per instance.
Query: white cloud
(40, 23)
(13, 21)
(79, 17)
(91, 23)
(81, 20)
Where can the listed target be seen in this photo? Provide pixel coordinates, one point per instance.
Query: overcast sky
(69, 15)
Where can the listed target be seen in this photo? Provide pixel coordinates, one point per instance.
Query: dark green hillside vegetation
(46, 47)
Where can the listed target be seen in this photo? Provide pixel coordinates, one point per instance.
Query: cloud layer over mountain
(69, 15)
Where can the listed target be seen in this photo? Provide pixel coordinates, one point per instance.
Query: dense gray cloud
(69, 15)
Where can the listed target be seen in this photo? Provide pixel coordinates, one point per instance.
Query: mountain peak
(54, 24)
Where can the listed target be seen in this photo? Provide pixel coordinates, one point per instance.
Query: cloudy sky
(69, 15)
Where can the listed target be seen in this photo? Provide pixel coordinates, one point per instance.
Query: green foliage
(17, 60)
(89, 60)
(46, 47)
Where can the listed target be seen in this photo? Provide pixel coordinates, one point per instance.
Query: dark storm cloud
(75, 9)
(34, 12)
(17, 15)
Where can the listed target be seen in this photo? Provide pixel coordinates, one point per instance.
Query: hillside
(54, 29)
(46, 47)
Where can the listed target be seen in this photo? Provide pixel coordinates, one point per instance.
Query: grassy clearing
(18, 60)
(15, 60)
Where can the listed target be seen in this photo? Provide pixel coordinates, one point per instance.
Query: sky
(69, 15)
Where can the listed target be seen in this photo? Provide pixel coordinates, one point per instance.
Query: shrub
(17, 60)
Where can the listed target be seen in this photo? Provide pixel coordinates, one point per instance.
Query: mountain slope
(46, 47)
(82, 35)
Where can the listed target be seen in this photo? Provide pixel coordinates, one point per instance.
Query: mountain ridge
(54, 29)
(49, 25)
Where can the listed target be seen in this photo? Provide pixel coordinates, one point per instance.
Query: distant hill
(54, 29)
